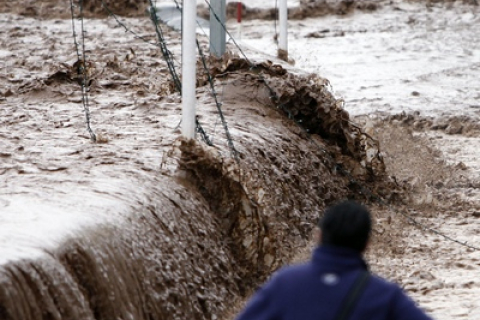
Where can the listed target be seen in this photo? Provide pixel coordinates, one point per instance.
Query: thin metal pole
(189, 61)
(217, 30)
(283, 39)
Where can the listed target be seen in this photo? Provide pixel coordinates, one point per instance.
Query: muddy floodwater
(141, 224)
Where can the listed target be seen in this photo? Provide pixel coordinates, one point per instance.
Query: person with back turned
(336, 283)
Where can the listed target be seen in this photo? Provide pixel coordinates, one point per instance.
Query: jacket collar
(339, 259)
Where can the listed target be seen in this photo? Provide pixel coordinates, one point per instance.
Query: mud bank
(314, 8)
(135, 8)
(305, 9)
(143, 225)
(50, 9)
(156, 245)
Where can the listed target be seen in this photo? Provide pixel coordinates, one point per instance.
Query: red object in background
(239, 12)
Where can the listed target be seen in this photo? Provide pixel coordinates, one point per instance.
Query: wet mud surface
(50, 9)
(305, 9)
(142, 222)
(418, 97)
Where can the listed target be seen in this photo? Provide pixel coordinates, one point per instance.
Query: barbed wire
(167, 55)
(338, 167)
(215, 96)
(218, 105)
(370, 195)
(81, 66)
(176, 4)
(72, 8)
(202, 132)
(224, 27)
(129, 30)
(273, 95)
(414, 221)
(120, 23)
(223, 85)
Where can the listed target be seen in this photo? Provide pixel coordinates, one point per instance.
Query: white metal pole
(217, 28)
(283, 39)
(189, 61)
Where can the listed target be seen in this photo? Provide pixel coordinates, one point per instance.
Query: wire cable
(167, 55)
(215, 96)
(333, 163)
(81, 65)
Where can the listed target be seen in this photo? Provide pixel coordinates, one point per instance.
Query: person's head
(346, 224)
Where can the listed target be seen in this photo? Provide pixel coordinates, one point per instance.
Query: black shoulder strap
(353, 295)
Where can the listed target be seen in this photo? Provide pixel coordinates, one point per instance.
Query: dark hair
(346, 224)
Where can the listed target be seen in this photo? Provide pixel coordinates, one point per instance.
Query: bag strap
(351, 299)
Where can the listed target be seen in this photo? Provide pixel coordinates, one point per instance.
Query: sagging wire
(72, 8)
(177, 4)
(331, 159)
(81, 66)
(228, 32)
(273, 95)
(202, 133)
(120, 23)
(221, 102)
(370, 195)
(218, 104)
(411, 219)
(204, 63)
(127, 29)
(168, 58)
(167, 55)
(347, 174)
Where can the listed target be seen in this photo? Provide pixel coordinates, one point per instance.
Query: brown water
(141, 225)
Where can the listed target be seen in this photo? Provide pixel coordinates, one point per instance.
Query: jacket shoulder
(293, 271)
(292, 275)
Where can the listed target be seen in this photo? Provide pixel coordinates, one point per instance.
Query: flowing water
(143, 225)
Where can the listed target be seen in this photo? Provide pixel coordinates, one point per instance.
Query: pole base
(282, 54)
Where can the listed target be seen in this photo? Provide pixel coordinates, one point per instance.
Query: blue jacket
(315, 290)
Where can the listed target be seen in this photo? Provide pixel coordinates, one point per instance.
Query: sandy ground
(409, 73)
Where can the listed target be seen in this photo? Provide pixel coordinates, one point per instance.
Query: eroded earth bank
(144, 225)
(141, 224)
